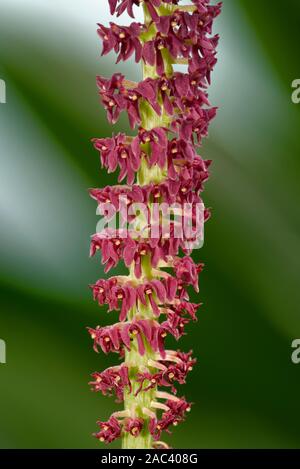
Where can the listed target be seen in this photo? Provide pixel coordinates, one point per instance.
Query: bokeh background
(245, 388)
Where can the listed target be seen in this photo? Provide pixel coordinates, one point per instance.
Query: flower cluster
(178, 96)
(174, 367)
(174, 410)
(133, 249)
(153, 148)
(160, 165)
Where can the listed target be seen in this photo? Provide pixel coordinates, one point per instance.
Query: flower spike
(158, 207)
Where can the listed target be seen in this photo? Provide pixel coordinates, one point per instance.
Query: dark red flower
(116, 152)
(175, 414)
(174, 325)
(119, 95)
(197, 122)
(154, 291)
(203, 65)
(140, 329)
(135, 252)
(110, 246)
(183, 308)
(124, 5)
(134, 426)
(108, 338)
(121, 198)
(206, 14)
(157, 141)
(156, 427)
(113, 99)
(124, 40)
(179, 154)
(110, 430)
(112, 381)
(178, 407)
(187, 271)
(152, 379)
(101, 290)
(152, 51)
(123, 298)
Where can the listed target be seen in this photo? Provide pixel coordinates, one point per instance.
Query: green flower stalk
(164, 175)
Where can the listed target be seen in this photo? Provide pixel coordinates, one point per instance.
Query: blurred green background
(245, 387)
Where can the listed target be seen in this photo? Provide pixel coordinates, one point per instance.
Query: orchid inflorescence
(160, 164)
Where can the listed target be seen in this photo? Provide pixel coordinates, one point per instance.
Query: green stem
(133, 360)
